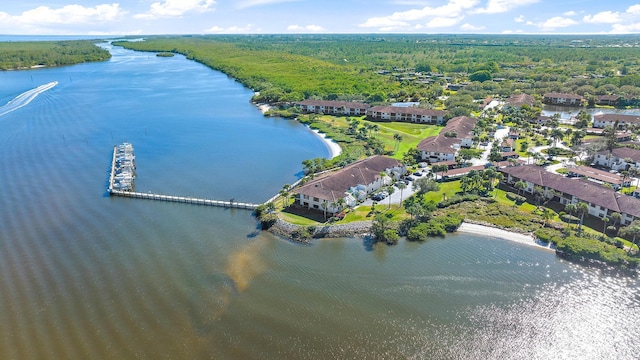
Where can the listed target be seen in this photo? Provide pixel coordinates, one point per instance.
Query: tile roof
(439, 144)
(620, 117)
(346, 104)
(332, 186)
(520, 99)
(582, 189)
(407, 110)
(563, 96)
(623, 153)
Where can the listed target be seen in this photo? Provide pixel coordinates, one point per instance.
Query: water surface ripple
(85, 276)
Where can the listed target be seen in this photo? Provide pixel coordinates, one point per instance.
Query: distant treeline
(23, 55)
(382, 67)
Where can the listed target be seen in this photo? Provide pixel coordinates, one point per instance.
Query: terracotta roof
(584, 190)
(346, 104)
(520, 99)
(620, 117)
(462, 125)
(623, 153)
(439, 144)
(332, 186)
(607, 97)
(597, 174)
(407, 110)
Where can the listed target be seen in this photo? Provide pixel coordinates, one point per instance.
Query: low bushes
(515, 197)
(456, 199)
(437, 226)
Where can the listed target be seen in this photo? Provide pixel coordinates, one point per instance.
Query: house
(507, 145)
(514, 134)
(333, 107)
(607, 100)
(457, 133)
(439, 148)
(618, 159)
(540, 120)
(601, 200)
(562, 99)
(599, 176)
(463, 129)
(602, 120)
(406, 114)
(517, 100)
(351, 183)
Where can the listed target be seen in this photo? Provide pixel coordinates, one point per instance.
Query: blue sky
(132, 17)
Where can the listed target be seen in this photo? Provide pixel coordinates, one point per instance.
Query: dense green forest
(22, 55)
(381, 68)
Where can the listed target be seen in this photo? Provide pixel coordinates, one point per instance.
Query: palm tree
(284, 192)
(571, 209)
(616, 217)
(401, 186)
(546, 215)
(520, 185)
(398, 138)
(605, 220)
(633, 229)
(390, 190)
(341, 203)
(324, 205)
(556, 134)
(582, 209)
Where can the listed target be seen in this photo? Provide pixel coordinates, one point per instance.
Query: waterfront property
(457, 133)
(333, 107)
(599, 176)
(602, 120)
(406, 114)
(602, 201)
(351, 184)
(618, 159)
(517, 100)
(562, 99)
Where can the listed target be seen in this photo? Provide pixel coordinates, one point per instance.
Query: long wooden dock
(171, 198)
(184, 199)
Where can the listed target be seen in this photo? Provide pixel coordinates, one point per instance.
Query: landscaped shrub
(517, 198)
(456, 199)
(569, 218)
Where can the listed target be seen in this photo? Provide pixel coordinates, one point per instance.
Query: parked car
(417, 173)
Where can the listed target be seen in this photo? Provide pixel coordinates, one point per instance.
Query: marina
(122, 176)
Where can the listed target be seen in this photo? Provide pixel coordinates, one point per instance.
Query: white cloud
(625, 28)
(441, 22)
(308, 28)
(248, 29)
(469, 27)
(519, 19)
(634, 9)
(570, 13)
(176, 8)
(605, 17)
(243, 4)
(442, 16)
(501, 6)
(69, 14)
(554, 23)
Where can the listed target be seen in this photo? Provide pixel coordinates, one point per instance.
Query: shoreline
(493, 232)
(334, 148)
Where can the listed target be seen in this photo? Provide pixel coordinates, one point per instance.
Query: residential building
(562, 99)
(607, 100)
(351, 183)
(602, 201)
(406, 114)
(602, 120)
(599, 176)
(333, 107)
(517, 100)
(618, 159)
(457, 133)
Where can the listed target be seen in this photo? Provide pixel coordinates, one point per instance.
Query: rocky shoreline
(304, 234)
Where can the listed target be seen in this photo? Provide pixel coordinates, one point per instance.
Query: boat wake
(25, 98)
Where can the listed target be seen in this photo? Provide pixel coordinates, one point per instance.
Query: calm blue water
(85, 276)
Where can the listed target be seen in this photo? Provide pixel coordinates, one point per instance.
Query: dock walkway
(113, 191)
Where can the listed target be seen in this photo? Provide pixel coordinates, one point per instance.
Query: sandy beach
(500, 234)
(334, 148)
